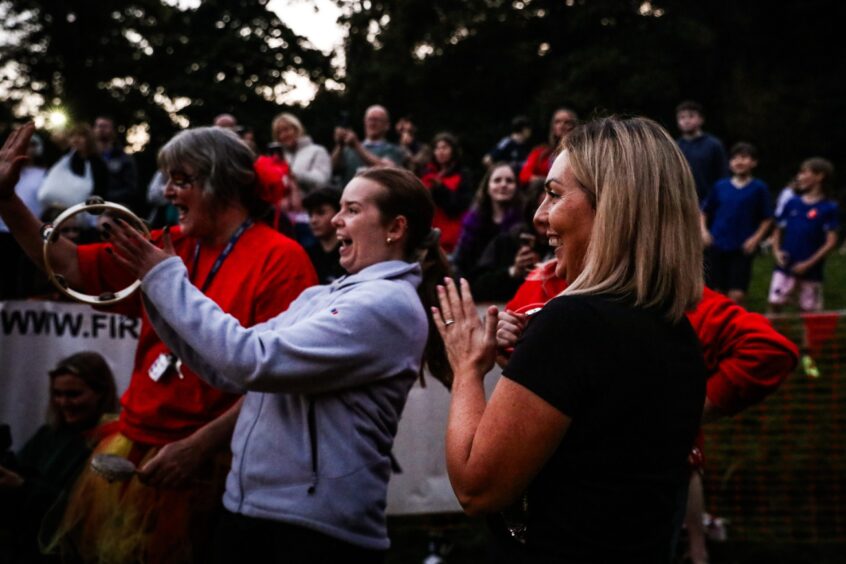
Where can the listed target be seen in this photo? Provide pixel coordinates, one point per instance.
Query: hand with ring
(471, 348)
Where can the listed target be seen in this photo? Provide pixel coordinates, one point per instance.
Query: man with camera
(351, 154)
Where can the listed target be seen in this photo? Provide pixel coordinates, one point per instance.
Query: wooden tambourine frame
(51, 232)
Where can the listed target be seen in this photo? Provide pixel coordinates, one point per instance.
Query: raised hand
(13, 156)
(134, 251)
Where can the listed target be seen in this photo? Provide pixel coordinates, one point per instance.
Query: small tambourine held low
(112, 467)
(51, 232)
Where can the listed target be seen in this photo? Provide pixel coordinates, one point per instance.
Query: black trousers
(247, 539)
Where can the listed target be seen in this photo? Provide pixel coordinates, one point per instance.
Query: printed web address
(84, 325)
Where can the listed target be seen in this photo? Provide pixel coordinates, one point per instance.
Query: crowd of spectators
(486, 228)
(483, 212)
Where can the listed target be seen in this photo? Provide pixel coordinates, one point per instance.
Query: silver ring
(448, 322)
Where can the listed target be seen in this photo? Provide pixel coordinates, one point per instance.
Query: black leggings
(247, 539)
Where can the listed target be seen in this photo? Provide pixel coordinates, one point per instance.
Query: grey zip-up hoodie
(326, 383)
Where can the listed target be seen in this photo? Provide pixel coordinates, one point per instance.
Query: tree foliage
(768, 73)
(148, 61)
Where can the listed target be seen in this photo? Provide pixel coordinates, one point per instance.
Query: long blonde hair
(645, 242)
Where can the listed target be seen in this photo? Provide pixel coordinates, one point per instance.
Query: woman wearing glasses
(325, 382)
(173, 426)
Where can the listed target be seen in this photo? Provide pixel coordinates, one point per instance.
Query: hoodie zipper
(312, 437)
(244, 453)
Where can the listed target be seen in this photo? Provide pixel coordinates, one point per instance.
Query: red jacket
(537, 164)
(745, 357)
(448, 218)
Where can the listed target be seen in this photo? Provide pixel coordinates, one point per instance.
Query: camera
(344, 119)
(527, 239)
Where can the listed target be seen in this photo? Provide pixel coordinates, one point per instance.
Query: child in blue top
(704, 152)
(806, 231)
(736, 216)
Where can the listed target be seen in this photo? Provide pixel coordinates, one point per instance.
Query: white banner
(35, 335)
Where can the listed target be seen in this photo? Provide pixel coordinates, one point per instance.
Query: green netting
(777, 471)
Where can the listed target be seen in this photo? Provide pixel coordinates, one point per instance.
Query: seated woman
(509, 258)
(325, 382)
(601, 400)
(450, 186)
(496, 209)
(82, 392)
(173, 425)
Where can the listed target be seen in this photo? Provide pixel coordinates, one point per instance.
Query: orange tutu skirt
(123, 522)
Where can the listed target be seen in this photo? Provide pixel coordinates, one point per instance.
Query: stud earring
(389, 240)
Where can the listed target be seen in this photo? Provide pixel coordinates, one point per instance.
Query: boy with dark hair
(513, 149)
(806, 231)
(736, 216)
(322, 205)
(704, 152)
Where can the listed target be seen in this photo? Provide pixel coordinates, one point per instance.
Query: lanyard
(222, 257)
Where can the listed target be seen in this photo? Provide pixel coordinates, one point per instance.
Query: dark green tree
(146, 61)
(767, 73)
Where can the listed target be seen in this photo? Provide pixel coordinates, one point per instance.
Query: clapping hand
(470, 344)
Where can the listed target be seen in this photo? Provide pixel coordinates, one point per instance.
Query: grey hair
(291, 119)
(219, 158)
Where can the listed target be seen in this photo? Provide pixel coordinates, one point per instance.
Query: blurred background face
(227, 121)
(443, 153)
(104, 130)
(742, 165)
(75, 401)
(502, 185)
(807, 179)
(286, 134)
(320, 221)
(563, 123)
(77, 143)
(689, 122)
(376, 123)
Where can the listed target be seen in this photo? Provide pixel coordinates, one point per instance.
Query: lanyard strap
(221, 257)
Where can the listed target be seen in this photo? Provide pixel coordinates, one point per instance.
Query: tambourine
(51, 232)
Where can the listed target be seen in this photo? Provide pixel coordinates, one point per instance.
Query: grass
(834, 287)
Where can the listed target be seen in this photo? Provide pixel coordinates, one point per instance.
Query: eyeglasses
(181, 180)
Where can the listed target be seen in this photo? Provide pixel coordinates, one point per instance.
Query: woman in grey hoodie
(325, 381)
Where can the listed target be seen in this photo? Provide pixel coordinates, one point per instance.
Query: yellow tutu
(122, 522)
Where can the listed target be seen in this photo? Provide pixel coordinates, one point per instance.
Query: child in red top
(450, 186)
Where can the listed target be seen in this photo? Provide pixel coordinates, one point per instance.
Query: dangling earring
(389, 240)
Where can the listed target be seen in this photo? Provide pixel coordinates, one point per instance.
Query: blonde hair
(645, 242)
(290, 119)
